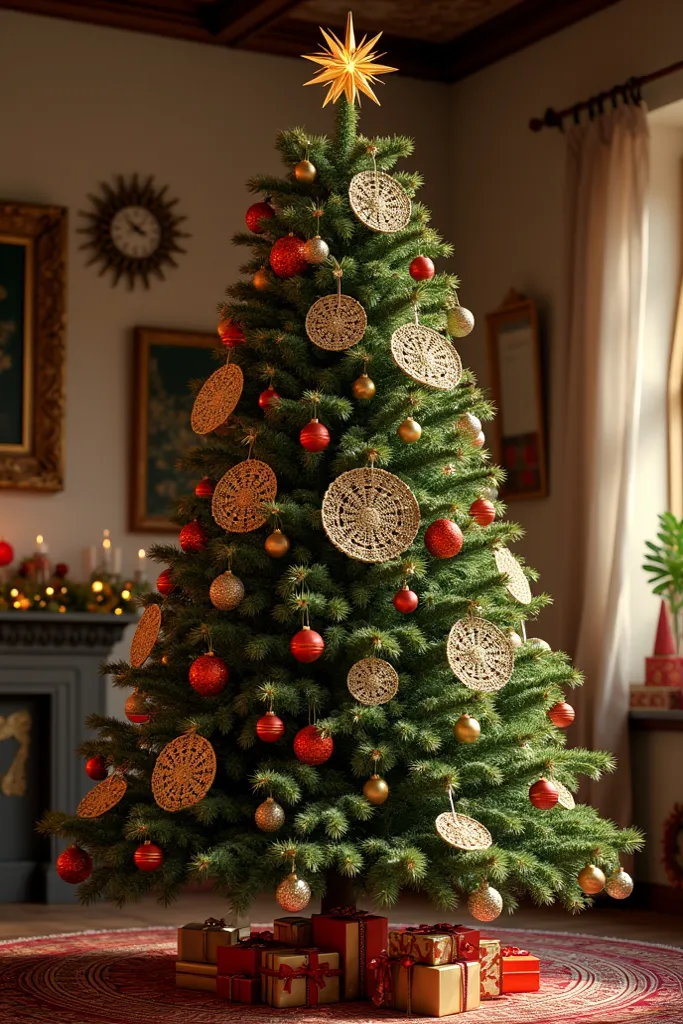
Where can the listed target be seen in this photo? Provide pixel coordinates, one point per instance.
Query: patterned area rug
(127, 977)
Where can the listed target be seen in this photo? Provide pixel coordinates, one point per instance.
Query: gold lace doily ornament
(565, 797)
(103, 797)
(372, 681)
(480, 654)
(237, 501)
(370, 515)
(146, 635)
(184, 772)
(517, 583)
(463, 832)
(426, 356)
(336, 322)
(217, 399)
(379, 201)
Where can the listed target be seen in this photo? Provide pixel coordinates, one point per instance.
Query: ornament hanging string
(523, 624)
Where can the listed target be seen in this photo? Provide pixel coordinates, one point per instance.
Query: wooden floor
(615, 920)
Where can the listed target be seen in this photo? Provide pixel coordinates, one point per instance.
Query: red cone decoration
(561, 714)
(443, 538)
(231, 334)
(405, 600)
(288, 256)
(208, 675)
(74, 865)
(483, 511)
(315, 436)
(421, 268)
(96, 768)
(310, 747)
(258, 212)
(205, 487)
(268, 397)
(148, 856)
(193, 537)
(165, 584)
(307, 645)
(269, 727)
(664, 641)
(6, 554)
(543, 794)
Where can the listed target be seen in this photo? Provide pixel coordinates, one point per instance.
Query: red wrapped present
(358, 937)
(435, 943)
(247, 955)
(238, 988)
(521, 970)
(664, 698)
(427, 990)
(300, 977)
(491, 964)
(664, 671)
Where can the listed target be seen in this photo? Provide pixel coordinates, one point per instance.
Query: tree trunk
(339, 892)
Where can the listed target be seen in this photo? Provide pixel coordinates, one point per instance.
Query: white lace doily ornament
(372, 681)
(517, 584)
(463, 832)
(565, 797)
(379, 202)
(370, 515)
(426, 357)
(336, 322)
(480, 654)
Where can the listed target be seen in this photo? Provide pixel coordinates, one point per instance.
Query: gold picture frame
(33, 260)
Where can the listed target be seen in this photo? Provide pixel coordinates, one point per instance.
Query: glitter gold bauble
(517, 584)
(103, 797)
(336, 322)
(305, 172)
(276, 544)
(460, 322)
(379, 202)
(372, 681)
(370, 515)
(426, 357)
(466, 729)
(376, 790)
(136, 708)
(591, 879)
(217, 399)
(261, 280)
(480, 654)
(226, 591)
(184, 772)
(619, 885)
(363, 388)
(485, 903)
(409, 431)
(316, 251)
(237, 503)
(463, 832)
(269, 816)
(146, 635)
(293, 894)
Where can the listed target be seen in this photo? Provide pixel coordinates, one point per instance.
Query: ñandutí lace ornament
(217, 399)
(379, 201)
(480, 654)
(372, 681)
(237, 503)
(145, 635)
(370, 515)
(103, 797)
(517, 584)
(184, 772)
(462, 831)
(426, 356)
(565, 797)
(336, 322)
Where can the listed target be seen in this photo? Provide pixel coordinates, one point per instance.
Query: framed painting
(165, 362)
(514, 354)
(33, 248)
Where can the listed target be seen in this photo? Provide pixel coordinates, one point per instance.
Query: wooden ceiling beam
(234, 21)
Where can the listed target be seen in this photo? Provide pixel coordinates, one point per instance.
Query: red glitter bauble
(165, 584)
(288, 256)
(205, 487)
(561, 714)
(405, 600)
(443, 538)
(268, 397)
(6, 553)
(312, 748)
(208, 675)
(256, 213)
(269, 727)
(421, 268)
(96, 768)
(307, 645)
(315, 436)
(483, 511)
(231, 334)
(543, 794)
(74, 865)
(193, 537)
(148, 856)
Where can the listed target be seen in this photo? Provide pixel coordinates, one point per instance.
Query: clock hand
(136, 228)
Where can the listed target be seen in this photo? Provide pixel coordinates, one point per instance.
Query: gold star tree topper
(347, 68)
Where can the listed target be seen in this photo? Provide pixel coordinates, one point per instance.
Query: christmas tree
(332, 678)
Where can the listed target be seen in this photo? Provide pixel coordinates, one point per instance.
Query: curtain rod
(629, 92)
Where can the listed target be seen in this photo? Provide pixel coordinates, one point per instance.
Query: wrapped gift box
(649, 696)
(300, 977)
(247, 956)
(237, 988)
(200, 941)
(491, 968)
(521, 970)
(358, 937)
(664, 670)
(189, 974)
(436, 991)
(435, 944)
(294, 931)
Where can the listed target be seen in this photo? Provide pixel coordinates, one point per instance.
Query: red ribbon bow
(460, 943)
(348, 913)
(316, 974)
(264, 936)
(514, 951)
(212, 922)
(384, 988)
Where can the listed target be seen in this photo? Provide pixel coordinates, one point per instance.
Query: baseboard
(653, 896)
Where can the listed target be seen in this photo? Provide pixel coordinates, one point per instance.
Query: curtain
(607, 180)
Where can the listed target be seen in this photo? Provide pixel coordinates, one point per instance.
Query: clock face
(135, 232)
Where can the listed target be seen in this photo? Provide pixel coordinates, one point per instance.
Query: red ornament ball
(268, 398)
(231, 334)
(405, 600)
(483, 511)
(543, 794)
(74, 865)
(421, 268)
(314, 437)
(61, 570)
(312, 748)
(307, 645)
(443, 538)
(288, 256)
(269, 727)
(148, 856)
(193, 537)
(208, 675)
(135, 708)
(96, 768)
(205, 487)
(561, 714)
(6, 553)
(256, 213)
(165, 584)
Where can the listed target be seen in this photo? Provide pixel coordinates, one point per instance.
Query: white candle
(117, 562)
(142, 566)
(90, 560)
(41, 546)
(106, 550)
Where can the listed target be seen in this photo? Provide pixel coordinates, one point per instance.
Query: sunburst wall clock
(133, 230)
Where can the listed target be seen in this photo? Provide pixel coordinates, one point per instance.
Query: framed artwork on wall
(165, 362)
(517, 385)
(33, 248)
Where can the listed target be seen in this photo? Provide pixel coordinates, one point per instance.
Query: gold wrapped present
(306, 977)
(199, 942)
(295, 931)
(435, 944)
(427, 991)
(491, 964)
(198, 976)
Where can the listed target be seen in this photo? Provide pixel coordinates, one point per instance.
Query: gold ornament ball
(485, 903)
(363, 388)
(619, 885)
(277, 544)
(305, 172)
(226, 591)
(591, 879)
(466, 729)
(376, 790)
(293, 894)
(460, 322)
(269, 816)
(261, 280)
(469, 424)
(316, 250)
(410, 431)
